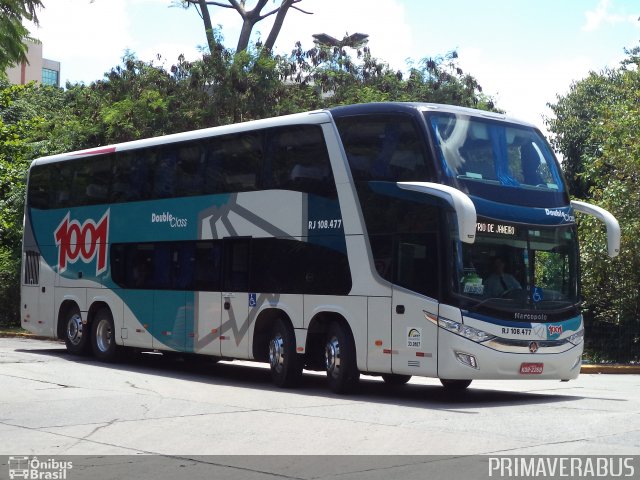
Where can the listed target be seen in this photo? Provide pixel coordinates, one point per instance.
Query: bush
(9, 288)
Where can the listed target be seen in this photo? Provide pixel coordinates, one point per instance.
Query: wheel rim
(276, 352)
(332, 356)
(74, 329)
(103, 335)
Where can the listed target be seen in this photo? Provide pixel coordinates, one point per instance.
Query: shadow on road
(257, 377)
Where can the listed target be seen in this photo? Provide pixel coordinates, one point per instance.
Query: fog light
(467, 359)
(578, 363)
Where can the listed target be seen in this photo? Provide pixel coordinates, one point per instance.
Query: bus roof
(312, 117)
(389, 107)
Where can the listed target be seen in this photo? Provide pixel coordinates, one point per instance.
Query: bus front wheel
(104, 342)
(340, 359)
(286, 367)
(455, 385)
(395, 378)
(76, 333)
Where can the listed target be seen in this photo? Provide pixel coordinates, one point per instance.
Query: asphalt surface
(52, 403)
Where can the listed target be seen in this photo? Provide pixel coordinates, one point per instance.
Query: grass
(12, 330)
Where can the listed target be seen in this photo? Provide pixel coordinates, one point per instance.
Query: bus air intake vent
(32, 268)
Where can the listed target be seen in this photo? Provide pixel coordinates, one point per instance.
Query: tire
(103, 339)
(395, 379)
(340, 359)
(76, 334)
(285, 363)
(455, 385)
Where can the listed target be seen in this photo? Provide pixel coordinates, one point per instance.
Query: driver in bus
(499, 282)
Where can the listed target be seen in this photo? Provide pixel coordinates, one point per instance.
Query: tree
(343, 79)
(250, 17)
(597, 129)
(17, 120)
(13, 34)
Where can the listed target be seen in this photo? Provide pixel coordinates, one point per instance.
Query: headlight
(577, 337)
(464, 330)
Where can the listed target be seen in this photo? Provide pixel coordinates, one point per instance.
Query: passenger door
(234, 331)
(414, 338)
(208, 315)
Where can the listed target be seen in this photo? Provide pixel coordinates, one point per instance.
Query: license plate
(531, 368)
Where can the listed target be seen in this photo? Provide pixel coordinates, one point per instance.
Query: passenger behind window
(500, 282)
(531, 165)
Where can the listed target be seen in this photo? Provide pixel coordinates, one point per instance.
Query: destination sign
(496, 228)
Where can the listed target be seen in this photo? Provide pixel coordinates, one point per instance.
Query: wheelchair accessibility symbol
(537, 294)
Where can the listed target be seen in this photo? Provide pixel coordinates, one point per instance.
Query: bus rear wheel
(340, 359)
(103, 337)
(286, 366)
(76, 333)
(455, 385)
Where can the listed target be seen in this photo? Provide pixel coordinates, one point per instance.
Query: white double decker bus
(391, 239)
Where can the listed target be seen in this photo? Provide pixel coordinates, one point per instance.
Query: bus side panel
(291, 305)
(75, 295)
(37, 294)
(415, 339)
(379, 334)
(169, 324)
(29, 315)
(137, 317)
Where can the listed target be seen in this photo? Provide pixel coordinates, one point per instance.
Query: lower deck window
(270, 265)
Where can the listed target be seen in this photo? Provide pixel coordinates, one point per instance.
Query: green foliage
(13, 34)
(17, 120)
(597, 128)
(341, 79)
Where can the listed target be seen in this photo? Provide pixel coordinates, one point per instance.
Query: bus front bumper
(464, 359)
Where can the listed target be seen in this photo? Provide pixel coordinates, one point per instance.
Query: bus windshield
(514, 268)
(482, 157)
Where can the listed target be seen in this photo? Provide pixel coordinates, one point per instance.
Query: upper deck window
(478, 154)
(384, 147)
(291, 157)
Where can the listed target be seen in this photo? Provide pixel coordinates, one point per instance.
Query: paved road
(56, 404)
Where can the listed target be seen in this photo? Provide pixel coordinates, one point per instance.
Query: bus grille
(31, 268)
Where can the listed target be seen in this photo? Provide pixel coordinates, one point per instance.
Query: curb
(30, 336)
(611, 368)
(585, 369)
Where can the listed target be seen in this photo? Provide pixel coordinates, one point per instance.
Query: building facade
(37, 68)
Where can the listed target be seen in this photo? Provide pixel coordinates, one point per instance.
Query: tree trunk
(245, 34)
(249, 18)
(208, 27)
(277, 25)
